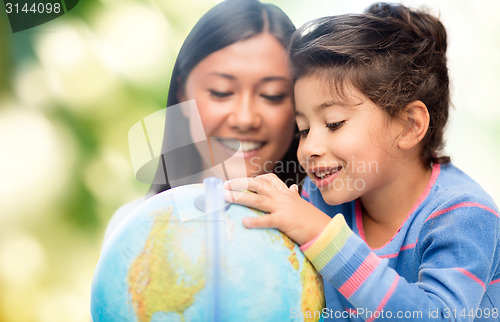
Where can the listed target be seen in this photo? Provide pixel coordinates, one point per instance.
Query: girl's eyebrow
(322, 106)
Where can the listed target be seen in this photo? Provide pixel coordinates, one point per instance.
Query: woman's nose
(245, 116)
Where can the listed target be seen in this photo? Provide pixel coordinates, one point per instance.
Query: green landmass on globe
(156, 267)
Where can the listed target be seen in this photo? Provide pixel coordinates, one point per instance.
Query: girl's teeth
(324, 173)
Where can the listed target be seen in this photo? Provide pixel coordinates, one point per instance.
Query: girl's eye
(218, 94)
(301, 134)
(274, 98)
(335, 126)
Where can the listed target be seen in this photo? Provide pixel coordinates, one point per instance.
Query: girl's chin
(335, 197)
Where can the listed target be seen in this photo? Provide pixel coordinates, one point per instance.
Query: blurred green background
(71, 89)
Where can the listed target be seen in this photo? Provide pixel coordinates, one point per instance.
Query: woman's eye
(302, 133)
(335, 125)
(274, 98)
(218, 94)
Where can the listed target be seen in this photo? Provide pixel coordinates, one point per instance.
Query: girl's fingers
(272, 182)
(265, 184)
(264, 221)
(239, 184)
(248, 199)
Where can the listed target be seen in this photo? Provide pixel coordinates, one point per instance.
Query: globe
(170, 261)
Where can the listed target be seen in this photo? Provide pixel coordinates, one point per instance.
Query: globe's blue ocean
(169, 261)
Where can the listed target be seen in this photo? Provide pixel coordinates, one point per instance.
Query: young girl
(398, 232)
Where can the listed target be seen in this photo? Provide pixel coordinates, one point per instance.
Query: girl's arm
(457, 265)
(457, 249)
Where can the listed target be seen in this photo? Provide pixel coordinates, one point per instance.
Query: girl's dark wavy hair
(225, 24)
(392, 54)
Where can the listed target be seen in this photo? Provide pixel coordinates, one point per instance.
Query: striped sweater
(442, 264)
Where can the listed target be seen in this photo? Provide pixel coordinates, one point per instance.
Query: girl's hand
(287, 211)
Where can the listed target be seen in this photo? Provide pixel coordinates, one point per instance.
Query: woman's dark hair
(225, 24)
(391, 54)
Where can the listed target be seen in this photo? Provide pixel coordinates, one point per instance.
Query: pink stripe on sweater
(409, 246)
(358, 213)
(405, 247)
(471, 276)
(308, 244)
(495, 281)
(461, 205)
(389, 255)
(386, 297)
(360, 275)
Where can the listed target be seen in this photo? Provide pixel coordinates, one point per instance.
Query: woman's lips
(244, 148)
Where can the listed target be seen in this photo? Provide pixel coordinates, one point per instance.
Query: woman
(233, 65)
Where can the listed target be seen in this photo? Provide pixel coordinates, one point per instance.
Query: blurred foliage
(69, 92)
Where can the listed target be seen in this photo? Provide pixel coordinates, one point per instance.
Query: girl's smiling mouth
(322, 177)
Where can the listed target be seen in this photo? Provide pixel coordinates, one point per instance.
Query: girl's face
(347, 145)
(243, 93)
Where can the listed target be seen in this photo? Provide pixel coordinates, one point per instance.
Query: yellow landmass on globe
(160, 285)
(288, 243)
(312, 300)
(313, 293)
(291, 246)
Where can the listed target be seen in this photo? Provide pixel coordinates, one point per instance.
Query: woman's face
(244, 96)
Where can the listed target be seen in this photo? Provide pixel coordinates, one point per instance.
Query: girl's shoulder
(457, 200)
(455, 186)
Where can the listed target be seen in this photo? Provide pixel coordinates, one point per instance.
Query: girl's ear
(416, 118)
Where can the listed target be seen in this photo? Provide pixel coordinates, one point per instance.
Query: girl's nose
(311, 147)
(245, 116)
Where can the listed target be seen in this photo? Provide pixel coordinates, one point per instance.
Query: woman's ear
(416, 118)
(180, 92)
(181, 96)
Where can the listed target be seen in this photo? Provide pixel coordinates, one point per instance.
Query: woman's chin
(239, 170)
